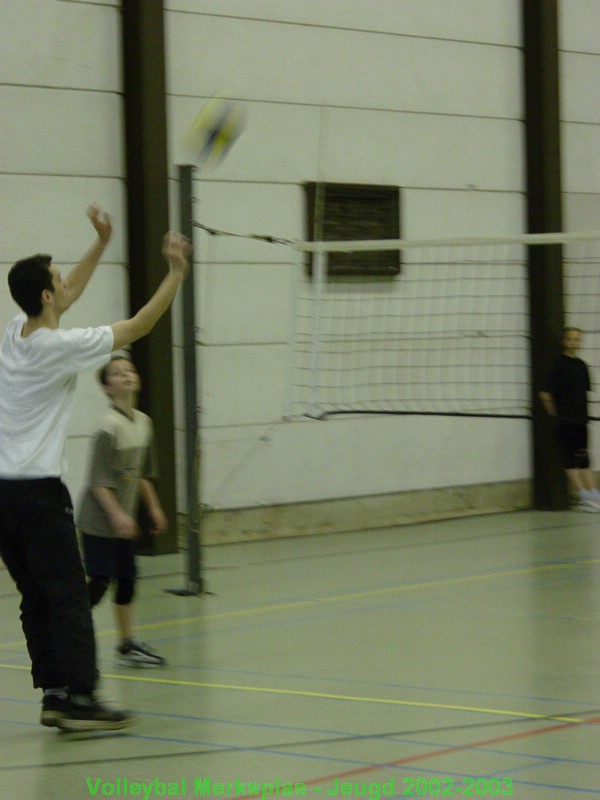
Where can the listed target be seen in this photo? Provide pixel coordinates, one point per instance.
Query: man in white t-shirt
(39, 364)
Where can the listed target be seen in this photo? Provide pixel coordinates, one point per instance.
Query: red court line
(455, 749)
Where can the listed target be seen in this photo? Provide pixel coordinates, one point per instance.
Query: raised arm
(176, 249)
(78, 278)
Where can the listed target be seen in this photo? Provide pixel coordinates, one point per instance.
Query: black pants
(573, 442)
(38, 544)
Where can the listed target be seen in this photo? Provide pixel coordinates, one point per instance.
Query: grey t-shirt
(122, 453)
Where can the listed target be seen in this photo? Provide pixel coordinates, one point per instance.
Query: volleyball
(213, 131)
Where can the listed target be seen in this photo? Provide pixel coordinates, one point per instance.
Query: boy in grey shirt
(121, 473)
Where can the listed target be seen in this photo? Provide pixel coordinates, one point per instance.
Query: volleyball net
(449, 335)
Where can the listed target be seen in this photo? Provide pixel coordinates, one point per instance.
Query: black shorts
(108, 557)
(573, 441)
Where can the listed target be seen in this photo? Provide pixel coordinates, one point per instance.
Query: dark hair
(114, 357)
(27, 280)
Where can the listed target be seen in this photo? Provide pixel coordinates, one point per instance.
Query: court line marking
(369, 593)
(329, 696)
(245, 612)
(476, 745)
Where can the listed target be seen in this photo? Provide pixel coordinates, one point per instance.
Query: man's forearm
(79, 277)
(128, 331)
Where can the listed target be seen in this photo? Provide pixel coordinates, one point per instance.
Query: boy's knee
(125, 591)
(97, 587)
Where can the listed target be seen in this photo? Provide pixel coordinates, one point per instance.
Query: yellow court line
(453, 581)
(341, 597)
(356, 595)
(330, 696)
(243, 612)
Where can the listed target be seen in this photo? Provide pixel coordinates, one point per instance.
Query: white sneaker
(586, 505)
(591, 498)
(133, 653)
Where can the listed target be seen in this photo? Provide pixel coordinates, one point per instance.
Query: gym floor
(457, 658)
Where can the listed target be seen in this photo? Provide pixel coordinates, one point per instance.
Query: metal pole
(544, 214)
(194, 582)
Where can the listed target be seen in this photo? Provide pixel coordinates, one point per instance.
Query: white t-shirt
(38, 376)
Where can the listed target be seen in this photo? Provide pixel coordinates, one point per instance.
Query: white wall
(579, 41)
(60, 150)
(423, 94)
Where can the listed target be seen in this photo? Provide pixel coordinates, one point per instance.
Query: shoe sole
(50, 719)
(82, 725)
(137, 664)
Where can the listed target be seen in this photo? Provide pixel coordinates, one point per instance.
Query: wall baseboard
(361, 513)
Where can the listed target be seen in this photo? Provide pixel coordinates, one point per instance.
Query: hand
(101, 222)
(176, 249)
(124, 526)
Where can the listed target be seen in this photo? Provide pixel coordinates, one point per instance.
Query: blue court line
(412, 606)
(335, 734)
(358, 595)
(300, 756)
(354, 762)
(312, 757)
(505, 571)
(335, 680)
(338, 681)
(585, 704)
(557, 787)
(400, 603)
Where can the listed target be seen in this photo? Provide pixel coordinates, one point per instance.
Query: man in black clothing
(565, 398)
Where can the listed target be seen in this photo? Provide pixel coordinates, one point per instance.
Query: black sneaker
(54, 708)
(91, 716)
(137, 654)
